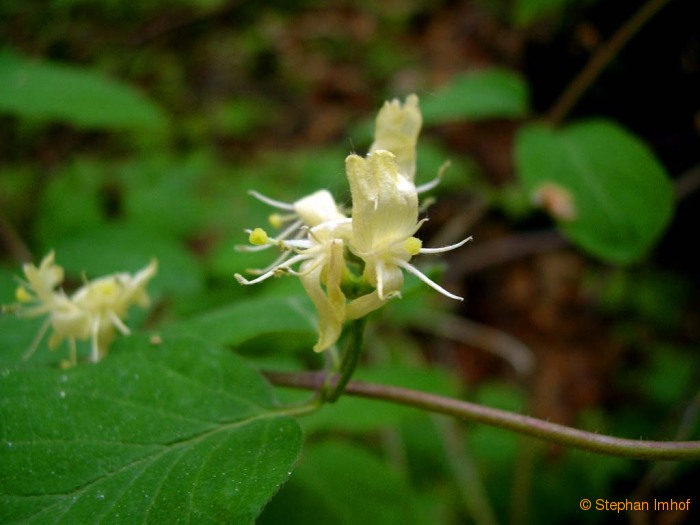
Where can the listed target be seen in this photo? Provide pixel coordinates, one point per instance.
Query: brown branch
(552, 432)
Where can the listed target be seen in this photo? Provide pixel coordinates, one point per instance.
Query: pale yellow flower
(380, 233)
(384, 221)
(95, 311)
(106, 301)
(397, 129)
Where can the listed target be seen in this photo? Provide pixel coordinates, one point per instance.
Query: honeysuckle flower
(95, 311)
(380, 234)
(396, 130)
(384, 221)
(106, 301)
(321, 262)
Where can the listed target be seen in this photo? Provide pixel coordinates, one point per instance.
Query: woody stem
(545, 430)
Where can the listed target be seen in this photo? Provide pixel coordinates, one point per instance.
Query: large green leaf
(249, 318)
(181, 432)
(49, 91)
(57, 215)
(491, 93)
(621, 195)
(344, 484)
(116, 247)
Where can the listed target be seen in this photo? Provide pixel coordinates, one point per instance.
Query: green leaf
(343, 484)
(246, 319)
(176, 433)
(622, 196)
(57, 214)
(167, 194)
(669, 376)
(487, 94)
(492, 446)
(125, 247)
(47, 91)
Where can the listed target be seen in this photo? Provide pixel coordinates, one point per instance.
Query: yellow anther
(276, 220)
(413, 245)
(258, 237)
(22, 295)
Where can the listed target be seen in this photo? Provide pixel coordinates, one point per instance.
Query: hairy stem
(600, 60)
(552, 432)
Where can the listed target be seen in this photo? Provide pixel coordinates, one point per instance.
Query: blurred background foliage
(132, 130)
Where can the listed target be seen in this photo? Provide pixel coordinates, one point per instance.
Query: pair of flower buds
(95, 311)
(380, 232)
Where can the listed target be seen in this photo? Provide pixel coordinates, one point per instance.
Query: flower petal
(397, 130)
(384, 203)
(317, 208)
(331, 304)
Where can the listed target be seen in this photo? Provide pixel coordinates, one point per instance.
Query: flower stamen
(444, 249)
(435, 286)
(271, 202)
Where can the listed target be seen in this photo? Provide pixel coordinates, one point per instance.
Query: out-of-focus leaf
(48, 91)
(655, 297)
(460, 175)
(526, 12)
(123, 247)
(120, 442)
(241, 117)
(622, 197)
(491, 93)
(167, 194)
(670, 375)
(16, 338)
(70, 202)
(343, 484)
(249, 318)
(492, 446)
